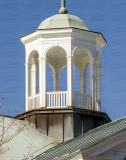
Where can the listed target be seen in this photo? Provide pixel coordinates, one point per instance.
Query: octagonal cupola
(63, 40)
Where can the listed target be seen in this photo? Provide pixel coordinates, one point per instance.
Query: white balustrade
(82, 100)
(57, 99)
(34, 101)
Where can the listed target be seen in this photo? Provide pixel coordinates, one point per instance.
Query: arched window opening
(63, 79)
(33, 81)
(49, 79)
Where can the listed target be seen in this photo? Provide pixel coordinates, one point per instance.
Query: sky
(19, 18)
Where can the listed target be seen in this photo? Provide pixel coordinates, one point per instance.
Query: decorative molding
(93, 62)
(42, 59)
(28, 65)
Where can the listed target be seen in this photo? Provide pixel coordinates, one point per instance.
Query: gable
(114, 148)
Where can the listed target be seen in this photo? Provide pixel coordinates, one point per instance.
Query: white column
(70, 80)
(93, 84)
(27, 68)
(33, 81)
(99, 87)
(56, 82)
(37, 72)
(42, 81)
(83, 76)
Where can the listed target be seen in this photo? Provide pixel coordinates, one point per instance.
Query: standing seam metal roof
(86, 140)
(19, 144)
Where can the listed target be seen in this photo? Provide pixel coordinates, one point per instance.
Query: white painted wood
(58, 97)
(80, 100)
(27, 102)
(34, 101)
(70, 80)
(59, 48)
(42, 81)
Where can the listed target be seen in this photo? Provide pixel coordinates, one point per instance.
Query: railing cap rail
(57, 92)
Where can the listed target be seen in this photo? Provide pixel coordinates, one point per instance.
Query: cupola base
(64, 124)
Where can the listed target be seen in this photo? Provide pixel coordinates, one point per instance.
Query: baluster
(58, 100)
(78, 100)
(81, 101)
(65, 95)
(64, 100)
(46, 100)
(75, 100)
(88, 103)
(54, 101)
(61, 100)
(29, 105)
(35, 103)
(49, 100)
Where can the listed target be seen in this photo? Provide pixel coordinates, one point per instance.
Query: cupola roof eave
(38, 32)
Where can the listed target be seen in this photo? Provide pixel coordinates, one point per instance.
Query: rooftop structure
(63, 40)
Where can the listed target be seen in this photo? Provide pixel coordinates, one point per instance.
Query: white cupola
(63, 40)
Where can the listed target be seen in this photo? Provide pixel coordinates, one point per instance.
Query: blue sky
(22, 17)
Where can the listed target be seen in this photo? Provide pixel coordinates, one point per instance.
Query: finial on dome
(63, 10)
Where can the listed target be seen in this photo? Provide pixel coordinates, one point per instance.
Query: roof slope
(20, 144)
(86, 140)
(62, 21)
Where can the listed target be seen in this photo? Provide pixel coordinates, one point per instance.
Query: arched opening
(33, 74)
(82, 99)
(56, 58)
(81, 62)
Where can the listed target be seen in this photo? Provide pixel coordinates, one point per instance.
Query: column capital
(83, 74)
(33, 71)
(28, 65)
(99, 68)
(94, 62)
(56, 75)
(70, 57)
(42, 59)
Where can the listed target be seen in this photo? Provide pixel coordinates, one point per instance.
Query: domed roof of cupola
(62, 20)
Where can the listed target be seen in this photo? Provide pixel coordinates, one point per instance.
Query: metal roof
(19, 145)
(62, 21)
(86, 140)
